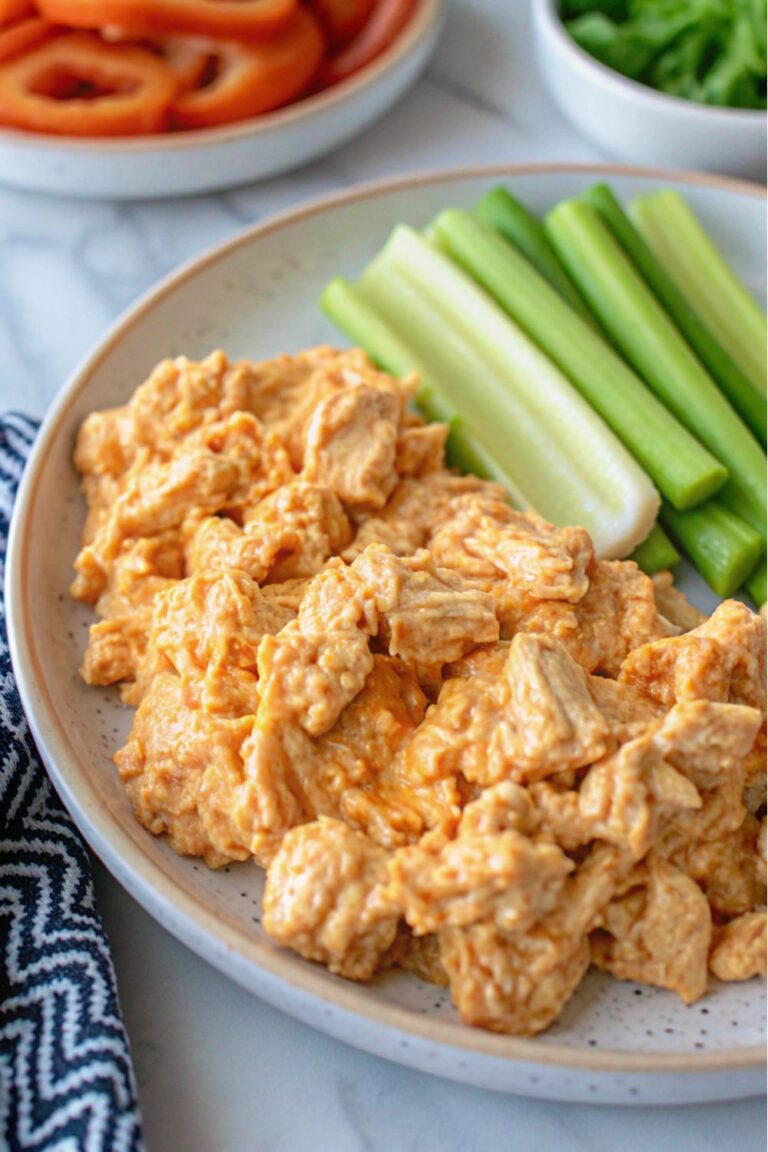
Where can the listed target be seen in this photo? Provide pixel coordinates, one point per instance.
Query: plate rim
(425, 22)
(180, 913)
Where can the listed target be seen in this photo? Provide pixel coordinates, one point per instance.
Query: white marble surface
(219, 1071)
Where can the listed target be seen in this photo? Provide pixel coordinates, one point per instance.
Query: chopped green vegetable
(680, 243)
(723, 547)
(708, 51)
(756, 584)
(656, 553)
(641, 329)
(344, 305)
(683, 470)
(515, 400)
(502, 211)
(726, 373)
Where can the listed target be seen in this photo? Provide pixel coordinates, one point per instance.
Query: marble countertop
(218, 1070)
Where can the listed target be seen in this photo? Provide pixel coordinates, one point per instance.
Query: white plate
(257, 296)
(184, 163)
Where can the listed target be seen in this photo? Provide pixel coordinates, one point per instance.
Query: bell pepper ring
(15, 10)
(245, 80)
(188, 58)
(385, 25)
(76, 85)
(222, 19)
(342, 20)
(22, 36)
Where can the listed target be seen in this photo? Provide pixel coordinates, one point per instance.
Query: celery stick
(683, 470)
(502, 211)
(675, 235)
(756, 584)
(722, 546)
(724, 371)
(344, 305)
(606, 488)
(523, 446)
(656, 552)
(732, 500)
(641, 329)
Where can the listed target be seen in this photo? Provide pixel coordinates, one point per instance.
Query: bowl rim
(124, 855)
(546, 13)
(424, 21)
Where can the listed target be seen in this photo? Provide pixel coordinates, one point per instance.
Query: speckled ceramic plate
(257, 296)
(183, 163)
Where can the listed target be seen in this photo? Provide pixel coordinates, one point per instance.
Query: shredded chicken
(658, 932)
(740, 948)
(325, 899)
(457, 740)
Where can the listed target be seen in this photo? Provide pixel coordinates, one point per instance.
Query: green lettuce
(709, 51)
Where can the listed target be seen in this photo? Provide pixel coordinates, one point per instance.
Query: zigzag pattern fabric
(66, 1079)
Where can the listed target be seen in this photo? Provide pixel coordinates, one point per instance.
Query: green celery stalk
(684, 471)
(344, 305)
(641, 329)
(756, 584)
(732, 381)
(607, 491)
(656, 553)
(681, 244)
(722, 546)
(526, 447)
(507, 215)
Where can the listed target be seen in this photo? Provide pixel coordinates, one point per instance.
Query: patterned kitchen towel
(66, 1079)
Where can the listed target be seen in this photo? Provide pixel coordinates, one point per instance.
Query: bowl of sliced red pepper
(141, 98)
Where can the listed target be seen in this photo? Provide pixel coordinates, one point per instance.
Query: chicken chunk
(352, 772)
(324, 898)
(379, 789)
(415, 510)
(557, 721)
(116, 648)
(724, 867)
(184, 395)
(261, 460)
(156, 498)
(421, 450)
(519, 982)
(288, 535)
(311, 670)
(739, 951)
(429, 616)
(142, 569)
(628, 711)
(180, 767)
(485, 538)
(318, 664)
(616, 615)
(208, 628)
(623, 798)
(722, 660)
(351, 444)
(506, 879)
(658, 932)
(532, 719)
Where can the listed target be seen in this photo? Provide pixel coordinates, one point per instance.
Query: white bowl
(184, 163)
(636, 123)
(256, 296)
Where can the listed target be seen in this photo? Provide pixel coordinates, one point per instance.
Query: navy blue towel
(66, 1079)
